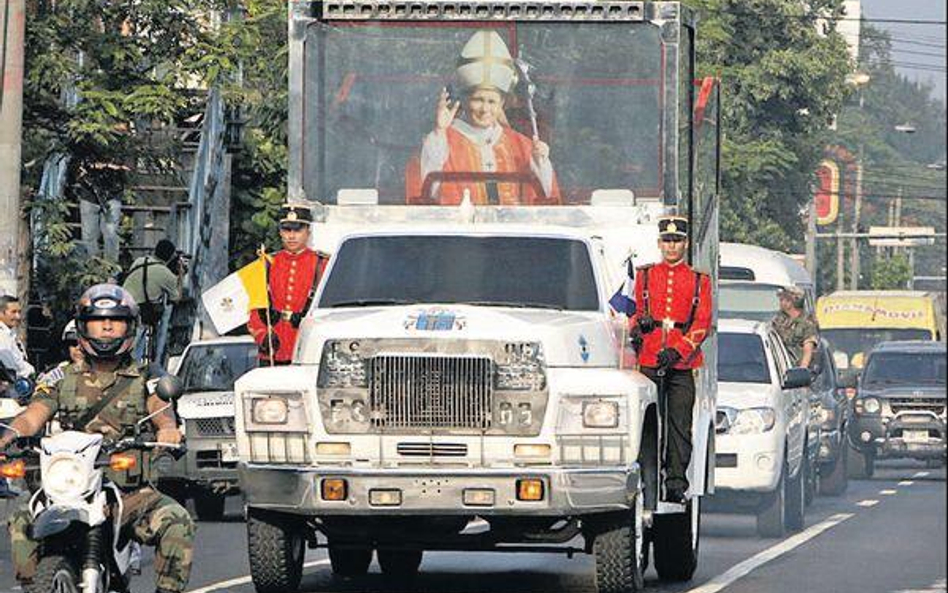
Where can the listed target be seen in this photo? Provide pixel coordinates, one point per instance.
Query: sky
(912, 43)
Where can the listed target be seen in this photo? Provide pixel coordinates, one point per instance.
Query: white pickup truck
(449, 373)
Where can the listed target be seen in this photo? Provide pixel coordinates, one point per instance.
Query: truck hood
(568, 338)
(745, 395)
(206, 404)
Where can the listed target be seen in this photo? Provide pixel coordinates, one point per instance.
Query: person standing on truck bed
(292, 279)
(798, 330)
(481, 140)
(672, 319)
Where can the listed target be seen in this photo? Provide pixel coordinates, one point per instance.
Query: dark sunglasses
(71, 343)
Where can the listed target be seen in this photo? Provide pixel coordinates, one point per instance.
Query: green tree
(783, 81)
(891, 273)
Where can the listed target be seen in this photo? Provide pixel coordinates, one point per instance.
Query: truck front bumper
(904, 436)
(440, 491)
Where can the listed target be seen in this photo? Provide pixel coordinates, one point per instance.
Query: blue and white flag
(623, 301)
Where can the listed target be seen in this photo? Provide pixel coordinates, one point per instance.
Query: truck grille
(907, 404)
(214, 427)
(424, 391)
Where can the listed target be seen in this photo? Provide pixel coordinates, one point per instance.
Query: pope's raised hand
(446, 111)
(541, 150)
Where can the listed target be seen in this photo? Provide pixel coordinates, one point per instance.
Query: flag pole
(262, 252)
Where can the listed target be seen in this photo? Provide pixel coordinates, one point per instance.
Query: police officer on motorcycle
(108, 393)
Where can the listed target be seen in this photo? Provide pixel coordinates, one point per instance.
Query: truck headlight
(271, 410)
(65, 477)
(754, 421)
(520, 368)
(600, 414)
(870, 405)
(342, 365)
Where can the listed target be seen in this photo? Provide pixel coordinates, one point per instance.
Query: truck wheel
(619, 548)
(209, 506)
(676, 539)
(834, 479)
(400, 565)
(771, 518)
(796, 500)
(350, 562)
(276, 551)
(54, 574)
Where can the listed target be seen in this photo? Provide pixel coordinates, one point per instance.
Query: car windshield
(741, 359)
(747, 300)
(886, 369)
(592, 92)
(528, 272)
(852, 345)
(215, 367)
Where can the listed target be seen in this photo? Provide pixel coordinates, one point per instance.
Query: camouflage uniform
(149, 517)
(796, 332)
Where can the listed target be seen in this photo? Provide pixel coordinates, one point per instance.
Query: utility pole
(811, 262)
(854, 254)
(12, 31)
(840, 259)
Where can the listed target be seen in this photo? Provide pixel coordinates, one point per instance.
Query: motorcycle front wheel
(55, 574)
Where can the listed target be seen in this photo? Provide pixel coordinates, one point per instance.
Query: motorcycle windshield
(588, 94)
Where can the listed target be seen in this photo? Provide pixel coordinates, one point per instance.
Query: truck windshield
(886, 369)
(527, 272)
(741, 359)
(851, 345)
(215, 367)
(747, 300)
(592, 92)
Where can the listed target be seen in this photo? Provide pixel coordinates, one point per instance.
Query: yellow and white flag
(229, 302)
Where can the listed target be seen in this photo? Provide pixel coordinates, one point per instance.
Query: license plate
(915, 436)
(229, 452)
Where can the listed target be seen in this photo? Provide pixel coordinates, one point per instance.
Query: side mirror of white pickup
(797, 377)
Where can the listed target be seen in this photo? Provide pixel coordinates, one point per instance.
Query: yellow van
(855, 321)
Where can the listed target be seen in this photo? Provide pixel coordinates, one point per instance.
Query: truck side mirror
(797, 377)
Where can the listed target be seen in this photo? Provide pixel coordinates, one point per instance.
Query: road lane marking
(737, 571)
(888, 492)
(906, 483)
(920, 475)
(936, 587)
(867, 503)
(224, 585)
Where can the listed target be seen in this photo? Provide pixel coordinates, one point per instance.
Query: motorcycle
(76, 512)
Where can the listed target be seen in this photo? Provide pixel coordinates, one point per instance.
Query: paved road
(886, 535)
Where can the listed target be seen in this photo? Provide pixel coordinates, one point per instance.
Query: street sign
(827, 192)
(901, 236)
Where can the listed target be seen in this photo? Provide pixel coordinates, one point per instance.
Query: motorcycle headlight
(520, 368)
(65, 477)
(342, 365)
(754, 421)
(870, 405)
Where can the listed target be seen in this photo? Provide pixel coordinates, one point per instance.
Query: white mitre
(486, 63)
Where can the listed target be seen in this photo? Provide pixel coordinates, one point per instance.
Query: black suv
(899, 410)
(834, 415)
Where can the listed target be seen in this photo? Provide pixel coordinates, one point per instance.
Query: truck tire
(400, 565)
(55, 573)
(861, 465)
(771, 518)
(795, 498)
(276, 550)
(676, 539)
(209, 506)
(619, 548)
(834, 477)
(349, 562)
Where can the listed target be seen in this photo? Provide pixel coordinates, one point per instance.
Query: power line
(918, 53)
(903, 40)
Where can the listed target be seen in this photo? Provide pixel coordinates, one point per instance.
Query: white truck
(460, 382)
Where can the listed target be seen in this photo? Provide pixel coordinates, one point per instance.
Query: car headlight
(65, 477)
(520, 368)
(271, 410)
(599, 414)
(870, 405)
(342, 365)
(754, 421)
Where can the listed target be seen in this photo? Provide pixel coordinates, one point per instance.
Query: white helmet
(70, 333)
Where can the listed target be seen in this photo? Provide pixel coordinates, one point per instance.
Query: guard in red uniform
(672, 319)
(292, 279)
